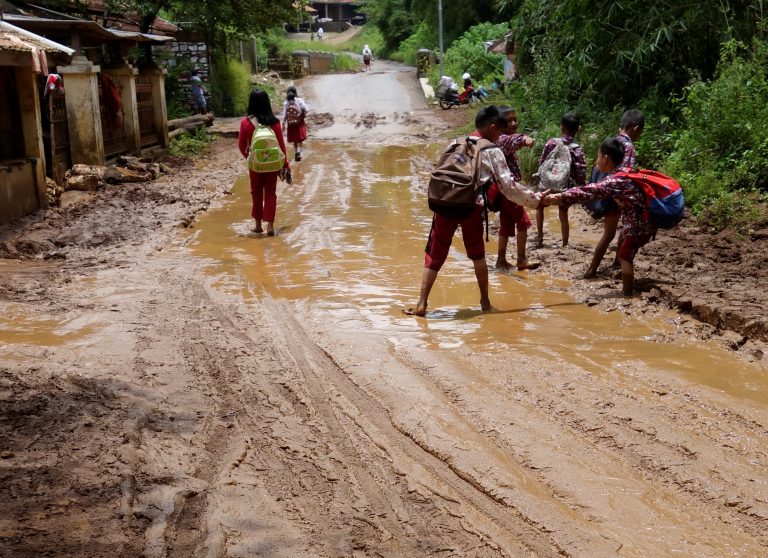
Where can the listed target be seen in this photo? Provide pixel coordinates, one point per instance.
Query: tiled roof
(15, 39)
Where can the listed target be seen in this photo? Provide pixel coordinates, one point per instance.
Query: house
(24, 57)
(332, 13)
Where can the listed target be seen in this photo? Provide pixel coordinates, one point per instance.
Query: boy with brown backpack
(456, 195)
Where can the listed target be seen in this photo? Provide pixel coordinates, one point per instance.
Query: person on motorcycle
(468, 95)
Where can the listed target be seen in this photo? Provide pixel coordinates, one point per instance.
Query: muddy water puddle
(349, 244)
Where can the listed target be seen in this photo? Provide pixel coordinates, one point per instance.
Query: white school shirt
(493, 167)
(299, 102)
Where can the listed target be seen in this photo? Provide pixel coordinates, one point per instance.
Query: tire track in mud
(685, 454)
(391, 477)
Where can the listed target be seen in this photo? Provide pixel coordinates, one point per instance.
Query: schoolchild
(263, 184)
(629, 197)
(367, 57)
(512, 216)
(493, 168)
(294, 115)
(570, 125)
(630, 130)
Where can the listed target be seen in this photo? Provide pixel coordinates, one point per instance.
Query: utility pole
(440, 32)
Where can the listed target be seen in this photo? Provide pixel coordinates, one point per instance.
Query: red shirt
(246, 135)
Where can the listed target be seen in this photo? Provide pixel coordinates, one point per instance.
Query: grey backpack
(555, 172)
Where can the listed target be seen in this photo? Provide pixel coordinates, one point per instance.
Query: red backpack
(664, 201)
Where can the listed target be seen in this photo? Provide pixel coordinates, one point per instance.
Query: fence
(112, 125)
(59, 155)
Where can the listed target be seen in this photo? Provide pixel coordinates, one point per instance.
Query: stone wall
(189, 55)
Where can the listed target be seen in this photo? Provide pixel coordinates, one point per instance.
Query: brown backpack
(294, 116)
(455, 183)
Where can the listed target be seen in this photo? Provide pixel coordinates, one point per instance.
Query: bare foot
(503, 265)
(271, 233)
(590, 274)
(418, 311)
(485, 306)
(525, 264)
(257, 230)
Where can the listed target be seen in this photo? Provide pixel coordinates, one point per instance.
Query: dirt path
(147, 411)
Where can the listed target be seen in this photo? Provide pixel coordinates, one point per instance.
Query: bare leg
(427, 282)
(501, 258)
(270, 228)
(540, 226)
(610, 224)
(257, 227)
(481, 272)
(627, 277)
(522, 260)
(616, 262)
(565, 227)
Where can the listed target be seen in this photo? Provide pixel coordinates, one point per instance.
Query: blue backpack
(664, 201)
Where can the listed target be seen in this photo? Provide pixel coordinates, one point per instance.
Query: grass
(190, 144)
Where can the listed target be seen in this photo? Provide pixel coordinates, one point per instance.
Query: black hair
(571, 123)
(260, 107)
(632, 117)
(467, 81)
(195, 72)
(614, 149)
(506, 109)
(490, 115)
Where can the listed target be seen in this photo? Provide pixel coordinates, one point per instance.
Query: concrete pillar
(81, 87)
(31, 124)
(125, 79)
(157, 75)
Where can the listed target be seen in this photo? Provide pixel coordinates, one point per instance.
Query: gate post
(126, 82)
(81, 85)
(29, 106)
(157, 77)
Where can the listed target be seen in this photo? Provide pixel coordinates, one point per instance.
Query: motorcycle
(448, 97)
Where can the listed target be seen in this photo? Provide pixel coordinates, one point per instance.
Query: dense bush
(230, 87)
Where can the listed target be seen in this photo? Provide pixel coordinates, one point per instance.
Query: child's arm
(281, 142)
(514, 191)
(244, 137)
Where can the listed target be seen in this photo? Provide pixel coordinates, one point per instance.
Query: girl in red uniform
(294, 112)
(263, 184)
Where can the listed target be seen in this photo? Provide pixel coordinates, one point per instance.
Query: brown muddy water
(349, 251)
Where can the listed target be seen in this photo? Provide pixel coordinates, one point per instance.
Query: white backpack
(555, 172)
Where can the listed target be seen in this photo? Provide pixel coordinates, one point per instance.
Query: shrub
(230, 86)
(190, 144)
(467, 54)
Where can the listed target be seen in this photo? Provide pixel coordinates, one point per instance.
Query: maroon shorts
(631, 244)
(441, 236)
(512, 216)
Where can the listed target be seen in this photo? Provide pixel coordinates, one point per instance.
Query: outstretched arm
(495, 165)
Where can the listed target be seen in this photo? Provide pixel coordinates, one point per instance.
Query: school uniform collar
(567, 138)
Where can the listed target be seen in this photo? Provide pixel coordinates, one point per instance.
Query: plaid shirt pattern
(630, 154)
(578, 161)
(627, 195)
(509, 145)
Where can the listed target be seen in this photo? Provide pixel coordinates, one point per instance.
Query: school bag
(294, 116)
(664, 201)
(598, 209)
(454, 185)
(555, 172)
(265, 154)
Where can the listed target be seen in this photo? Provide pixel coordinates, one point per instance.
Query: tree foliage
(621, 50)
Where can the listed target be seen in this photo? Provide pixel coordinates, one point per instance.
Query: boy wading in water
(490, 123)
(636, 229)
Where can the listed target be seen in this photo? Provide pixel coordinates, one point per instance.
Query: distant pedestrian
(263, 184)
(198, 92)
(294, 114)
(319, 33)
(367, 57)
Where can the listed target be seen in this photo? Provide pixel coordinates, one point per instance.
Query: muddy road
(174, 385)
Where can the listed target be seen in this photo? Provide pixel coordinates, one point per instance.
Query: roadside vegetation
(697, 70)
(190, 144)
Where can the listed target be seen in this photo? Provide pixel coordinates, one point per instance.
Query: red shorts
(441, 236)
(512, 216)
(631, 244)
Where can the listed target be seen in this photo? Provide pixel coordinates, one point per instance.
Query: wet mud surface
(172, 385)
